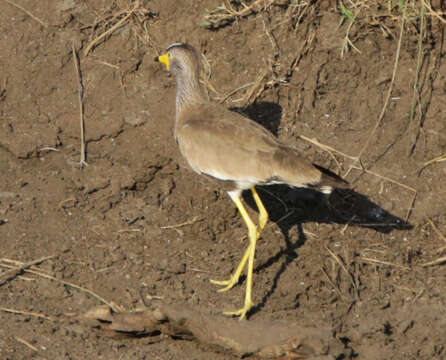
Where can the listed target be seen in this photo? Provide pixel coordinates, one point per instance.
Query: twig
(385, 178)
(189, 222)
(347, 224)
(48, 148)
(76, 61)
(11, 274)
(411, 207)
(27, 13)
(327, 148)
(88, 291)
(38, 315)
(108, 64)
(389, 92)
(434, 160)
(381, 262)
(24, 342)
(436, 262)
(440, 235)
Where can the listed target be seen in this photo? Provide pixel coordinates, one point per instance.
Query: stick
(385, 178)
(434, 160)
(381, 262)
(435, 262)
(189, 222)
(327, 148)
(76, 61)
(438, 232)
(13, 311)
(24, 342)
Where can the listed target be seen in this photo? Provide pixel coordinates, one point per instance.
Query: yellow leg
(248, 257)
(233, 280)
(263, 219)
(263, 214)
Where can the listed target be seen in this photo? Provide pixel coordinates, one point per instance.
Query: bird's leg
(263, 214)
(263, 219)
(249, 256)
(233, 280)
(253, 233)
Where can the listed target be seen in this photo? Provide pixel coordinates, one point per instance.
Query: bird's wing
(226, 145)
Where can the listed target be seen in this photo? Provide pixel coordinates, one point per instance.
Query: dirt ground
(137, 225)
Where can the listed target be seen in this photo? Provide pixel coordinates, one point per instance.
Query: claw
(241, 312)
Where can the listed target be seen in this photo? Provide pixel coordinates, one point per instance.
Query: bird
(236, 152)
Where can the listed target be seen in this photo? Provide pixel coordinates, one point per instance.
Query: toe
(220, 282)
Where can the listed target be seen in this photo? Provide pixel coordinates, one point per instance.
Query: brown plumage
(235, 151)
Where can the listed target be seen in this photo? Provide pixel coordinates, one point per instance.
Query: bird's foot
(242, 312)
(228, 284)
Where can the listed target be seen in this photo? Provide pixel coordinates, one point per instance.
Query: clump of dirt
(137, 225)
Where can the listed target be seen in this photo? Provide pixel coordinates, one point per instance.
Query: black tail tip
(330, 180)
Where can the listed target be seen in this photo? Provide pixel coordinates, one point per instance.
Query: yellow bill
(164, 59)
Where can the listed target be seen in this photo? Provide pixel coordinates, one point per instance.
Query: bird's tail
(329, 181)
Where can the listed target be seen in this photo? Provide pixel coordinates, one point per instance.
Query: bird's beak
(164, 59)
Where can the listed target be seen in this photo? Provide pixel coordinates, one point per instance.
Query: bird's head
(180, 58)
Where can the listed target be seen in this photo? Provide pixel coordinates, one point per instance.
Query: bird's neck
(189, 91)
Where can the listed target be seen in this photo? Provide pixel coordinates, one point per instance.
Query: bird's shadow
(289, 207)
(268, 114)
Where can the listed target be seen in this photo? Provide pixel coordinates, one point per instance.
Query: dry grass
(233, 10)
(116, 16)
(437, 159)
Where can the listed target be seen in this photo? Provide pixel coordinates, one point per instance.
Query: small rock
(405, 326)
(162, 265)
(179, 268)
